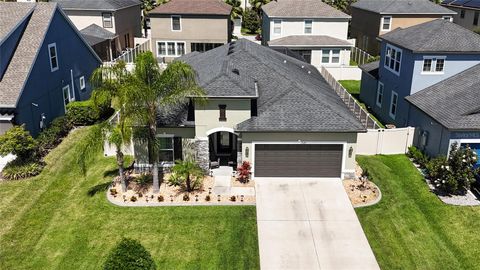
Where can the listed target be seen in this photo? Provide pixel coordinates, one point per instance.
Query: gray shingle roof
(402, 7)
(105, 5)
(292, 95)
(11, 13)
(310, 41)
(454, 101)
(435, 36)
(95, 34)
(204, 7)
(302, 9)
(371, 68)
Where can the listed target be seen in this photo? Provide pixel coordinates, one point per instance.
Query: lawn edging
(377, 200)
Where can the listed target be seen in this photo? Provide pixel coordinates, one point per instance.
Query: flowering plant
(243, 172)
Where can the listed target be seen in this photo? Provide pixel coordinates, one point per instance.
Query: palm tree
(148, 90)
(187, 172)
(257, 5)
(237, 9)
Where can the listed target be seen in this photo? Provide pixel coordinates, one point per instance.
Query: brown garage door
(298, 160)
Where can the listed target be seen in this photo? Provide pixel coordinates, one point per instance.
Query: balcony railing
(131, 54)
(359, 56)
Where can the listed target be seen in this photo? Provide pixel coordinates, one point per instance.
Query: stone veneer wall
(202, 155)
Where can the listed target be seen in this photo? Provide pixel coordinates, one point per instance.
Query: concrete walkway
(223, 184)
(309, 224)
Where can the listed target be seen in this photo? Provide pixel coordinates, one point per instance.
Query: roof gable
(302, 9)
(102, 5)
(200, 7)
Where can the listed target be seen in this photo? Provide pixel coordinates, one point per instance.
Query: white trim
(460, 142)
(399, 61)
(344, 154)
(63, 96)
(6, 118)
(391, 105)
(433, 65)
(383, 22)
(54, 45)
(377, 95)
(220, 129)
(81, 82)
(171, 23)
(447, 17)
(281, 27)
(166, 48)
(305, 27)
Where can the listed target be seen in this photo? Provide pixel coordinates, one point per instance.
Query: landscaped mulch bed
(361, 194)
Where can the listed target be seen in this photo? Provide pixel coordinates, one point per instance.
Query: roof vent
(303, 66)
(236, 71)
(309, 72)
(284, 61)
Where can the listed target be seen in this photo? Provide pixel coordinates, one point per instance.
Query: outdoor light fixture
(171, 198)
(209, 190)
(218, 197)
(247, 152)
(241, 198)
(350, 152)
(196, 198)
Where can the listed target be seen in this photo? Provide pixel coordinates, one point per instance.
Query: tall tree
(237, 9)
(149, 88)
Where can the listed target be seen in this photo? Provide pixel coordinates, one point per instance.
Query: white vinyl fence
(385, 141)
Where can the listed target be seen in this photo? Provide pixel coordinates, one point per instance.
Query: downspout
(73, 85)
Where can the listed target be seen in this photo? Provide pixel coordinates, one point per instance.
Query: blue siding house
(413, 61)
(44, 64)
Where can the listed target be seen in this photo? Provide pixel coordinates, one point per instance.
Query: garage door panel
(298, 160)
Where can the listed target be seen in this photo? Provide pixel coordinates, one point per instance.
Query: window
(447, 18)
(379, 99)
(107, 20)
(166, 148)
(176, 23)
(308, 26)
(475, 18)
(223, 113)
(386, 23)
(393, 105)
(203, 47)
(81, 81)
(433, 65)
(330, 56)
(277, 27)
(170, 48)
(68, 96)
(393, 59)
(224, 139)
(462, 13)
(52, 53)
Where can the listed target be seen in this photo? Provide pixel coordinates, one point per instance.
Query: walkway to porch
(223, 183)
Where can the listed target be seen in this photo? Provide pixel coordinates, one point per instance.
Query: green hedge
(129, 254)
(50, 137)
(82, 113)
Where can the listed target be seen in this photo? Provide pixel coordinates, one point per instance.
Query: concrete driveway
(309, 224)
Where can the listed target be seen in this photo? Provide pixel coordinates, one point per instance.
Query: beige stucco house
(264, 107)
(372, 18)
(468, 13)
(183, 26)
(311, 28)
(96, 19)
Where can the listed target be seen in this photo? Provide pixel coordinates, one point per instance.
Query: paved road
(309, 224)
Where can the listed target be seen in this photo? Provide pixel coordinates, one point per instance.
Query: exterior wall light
(350, 152)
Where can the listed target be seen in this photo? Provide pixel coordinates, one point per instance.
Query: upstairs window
(393, 105)
(107, 20)
(223, 113)
(393, 59)
(308, 26)
(176, 23)
(433, 65)
(277, 27)
(386, 23)
(379, 98)
(52, 53)
(475, 18)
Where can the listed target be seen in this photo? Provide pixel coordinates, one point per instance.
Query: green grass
(353, 87)
(411, 228)
(49, 222)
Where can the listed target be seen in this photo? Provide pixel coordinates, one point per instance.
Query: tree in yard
(129, 254)
(187, 173)
(18, 142)
(251, 20)
(148, 90)
(257, 5)
(237, 9)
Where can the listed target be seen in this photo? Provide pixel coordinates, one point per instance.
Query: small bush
(129, 254)
(18, 169)
(50, 137)
(186, 198)
(84, 113)
(417, 156)
(244, 172)
(144, 179)
(19, 142)
(208, 198)
(233, 198)
(133, 199)
(251, 20)
(160, 198)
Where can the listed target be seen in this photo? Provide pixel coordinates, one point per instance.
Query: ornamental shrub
(251, 21)
(88, 112)
(243, 172)
(50, 137)
(19, 142)
(18, 169)
(455, 174)
(129, 254)
(417, 156)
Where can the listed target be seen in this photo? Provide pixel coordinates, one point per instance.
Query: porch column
(202, 154)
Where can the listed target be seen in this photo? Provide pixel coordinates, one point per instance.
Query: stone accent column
(202, 155)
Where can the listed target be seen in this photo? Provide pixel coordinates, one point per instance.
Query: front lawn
(51, 222)
(411, 228)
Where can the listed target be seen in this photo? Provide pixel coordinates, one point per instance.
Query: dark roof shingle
(435, 36)
(292, 95)
(302, 9)
(95, 34)
(106, 5)
(402, 7)
(454, 101)
(203, 7)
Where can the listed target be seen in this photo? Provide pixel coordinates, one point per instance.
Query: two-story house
(372, 18)
(44, 64)
(413, 60)
(468, 12)
(122, 18)
(311, 28)
(183, 26)
(264, 107)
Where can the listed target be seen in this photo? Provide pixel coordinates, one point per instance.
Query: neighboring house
(468, 12)
(311, 28)
(44, 64)
(120, 17)
(372, 18)
(447, 112)
(412, 60)
(264, 107)
(183, 26)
